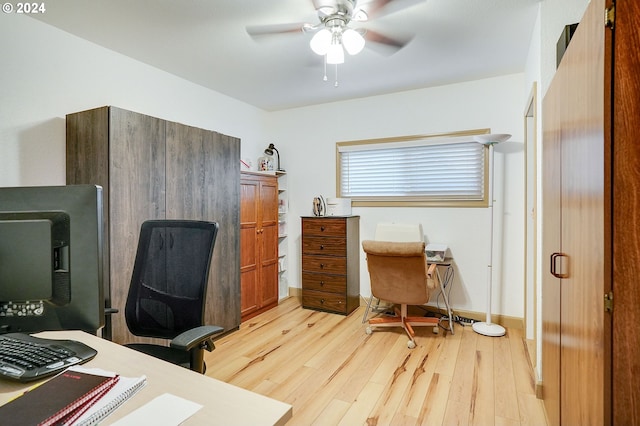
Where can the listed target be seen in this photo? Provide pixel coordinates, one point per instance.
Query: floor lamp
(487, 328)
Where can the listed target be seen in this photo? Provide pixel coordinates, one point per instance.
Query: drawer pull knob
(321, 283)
(322, 301)
(322, 228)
(322, 266)
(321, 246)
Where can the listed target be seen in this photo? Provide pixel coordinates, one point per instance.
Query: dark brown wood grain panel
(151, 169)
(136, 159)
(324, 246)
(626, 214)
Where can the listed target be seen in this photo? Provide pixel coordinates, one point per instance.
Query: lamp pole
(488, 328)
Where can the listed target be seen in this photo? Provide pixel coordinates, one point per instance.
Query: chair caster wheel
(411, 344)
(368, 330)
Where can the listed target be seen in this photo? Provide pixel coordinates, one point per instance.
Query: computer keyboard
(24, 357)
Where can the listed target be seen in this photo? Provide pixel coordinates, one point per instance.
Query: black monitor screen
(51, 258)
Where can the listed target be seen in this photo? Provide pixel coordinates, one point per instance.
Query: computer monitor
(51, 255)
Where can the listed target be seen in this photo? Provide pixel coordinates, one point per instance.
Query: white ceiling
(205, 41)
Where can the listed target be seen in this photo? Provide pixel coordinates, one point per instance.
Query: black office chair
(168, 287)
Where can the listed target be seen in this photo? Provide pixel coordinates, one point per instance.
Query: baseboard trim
(504, 320)
(539, 390)
(295, 292)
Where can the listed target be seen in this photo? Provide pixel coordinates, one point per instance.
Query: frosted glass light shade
(352, 41)
(492, 138)
(321, 41)
(335, 54)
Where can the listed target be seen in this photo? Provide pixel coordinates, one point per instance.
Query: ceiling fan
(333, 33)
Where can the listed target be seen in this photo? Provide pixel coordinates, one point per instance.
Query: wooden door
(574, 346)
(269, 248)
(626, 214)
(259, 243)
(553, 107)
(584, 230)
(249, 251)
(203, 184)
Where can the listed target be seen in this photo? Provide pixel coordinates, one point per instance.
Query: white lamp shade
(492, 138)
(321, 41)
(352, 41)
(335, 54)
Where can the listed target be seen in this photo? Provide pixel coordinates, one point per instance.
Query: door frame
(531, 223)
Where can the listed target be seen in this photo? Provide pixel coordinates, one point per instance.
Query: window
(443, 170)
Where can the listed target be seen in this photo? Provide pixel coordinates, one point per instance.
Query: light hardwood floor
(333, 373)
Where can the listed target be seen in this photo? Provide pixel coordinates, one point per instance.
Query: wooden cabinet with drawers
(331, 263)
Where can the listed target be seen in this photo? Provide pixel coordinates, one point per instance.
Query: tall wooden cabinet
(331, 263)
(258, 243)
(152, 169)
(591, 224)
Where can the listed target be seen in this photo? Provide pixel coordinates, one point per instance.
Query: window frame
(412, 201)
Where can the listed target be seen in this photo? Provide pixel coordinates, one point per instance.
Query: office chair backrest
(398, 271)
(169, 280)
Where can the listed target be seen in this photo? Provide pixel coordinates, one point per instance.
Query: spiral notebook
(57, 399)
(124, 389)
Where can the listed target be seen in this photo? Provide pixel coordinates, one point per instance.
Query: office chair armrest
(191, 338)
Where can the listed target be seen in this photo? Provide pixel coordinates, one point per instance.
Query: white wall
(306, 138)
(47, 73)
(555, 15)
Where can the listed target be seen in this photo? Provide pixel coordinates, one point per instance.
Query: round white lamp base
(488, 329)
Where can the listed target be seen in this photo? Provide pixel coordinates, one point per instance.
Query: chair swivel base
(405, 322)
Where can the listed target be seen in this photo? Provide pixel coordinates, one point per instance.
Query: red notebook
(58, 399)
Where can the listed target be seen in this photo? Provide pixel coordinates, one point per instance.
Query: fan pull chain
(325, 69)
(336, 82)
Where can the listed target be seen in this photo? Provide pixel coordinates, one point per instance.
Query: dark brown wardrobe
(153, 169)
(591, 223)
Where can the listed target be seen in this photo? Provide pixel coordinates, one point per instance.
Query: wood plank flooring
(333, 373)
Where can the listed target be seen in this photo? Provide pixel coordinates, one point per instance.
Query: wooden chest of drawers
(331, 263)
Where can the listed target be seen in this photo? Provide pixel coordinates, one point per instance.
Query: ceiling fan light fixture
(321, 42)
(352, 41)
(335, 54)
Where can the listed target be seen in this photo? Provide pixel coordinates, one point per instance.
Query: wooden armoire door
(575, 387)
(258, 243)
(202, 183)
(269, 249)
(553, 107)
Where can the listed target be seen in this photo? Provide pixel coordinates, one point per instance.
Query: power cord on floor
(463, 320)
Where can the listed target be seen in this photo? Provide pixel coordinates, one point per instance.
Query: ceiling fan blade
(389, 45)
(380, 8)
(266, 30)
(325, 7)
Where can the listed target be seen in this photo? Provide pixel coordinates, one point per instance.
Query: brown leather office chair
(400, 274)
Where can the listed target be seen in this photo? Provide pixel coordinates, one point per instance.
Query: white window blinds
(412, 171)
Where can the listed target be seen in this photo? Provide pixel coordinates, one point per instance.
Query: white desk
(223, 404)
